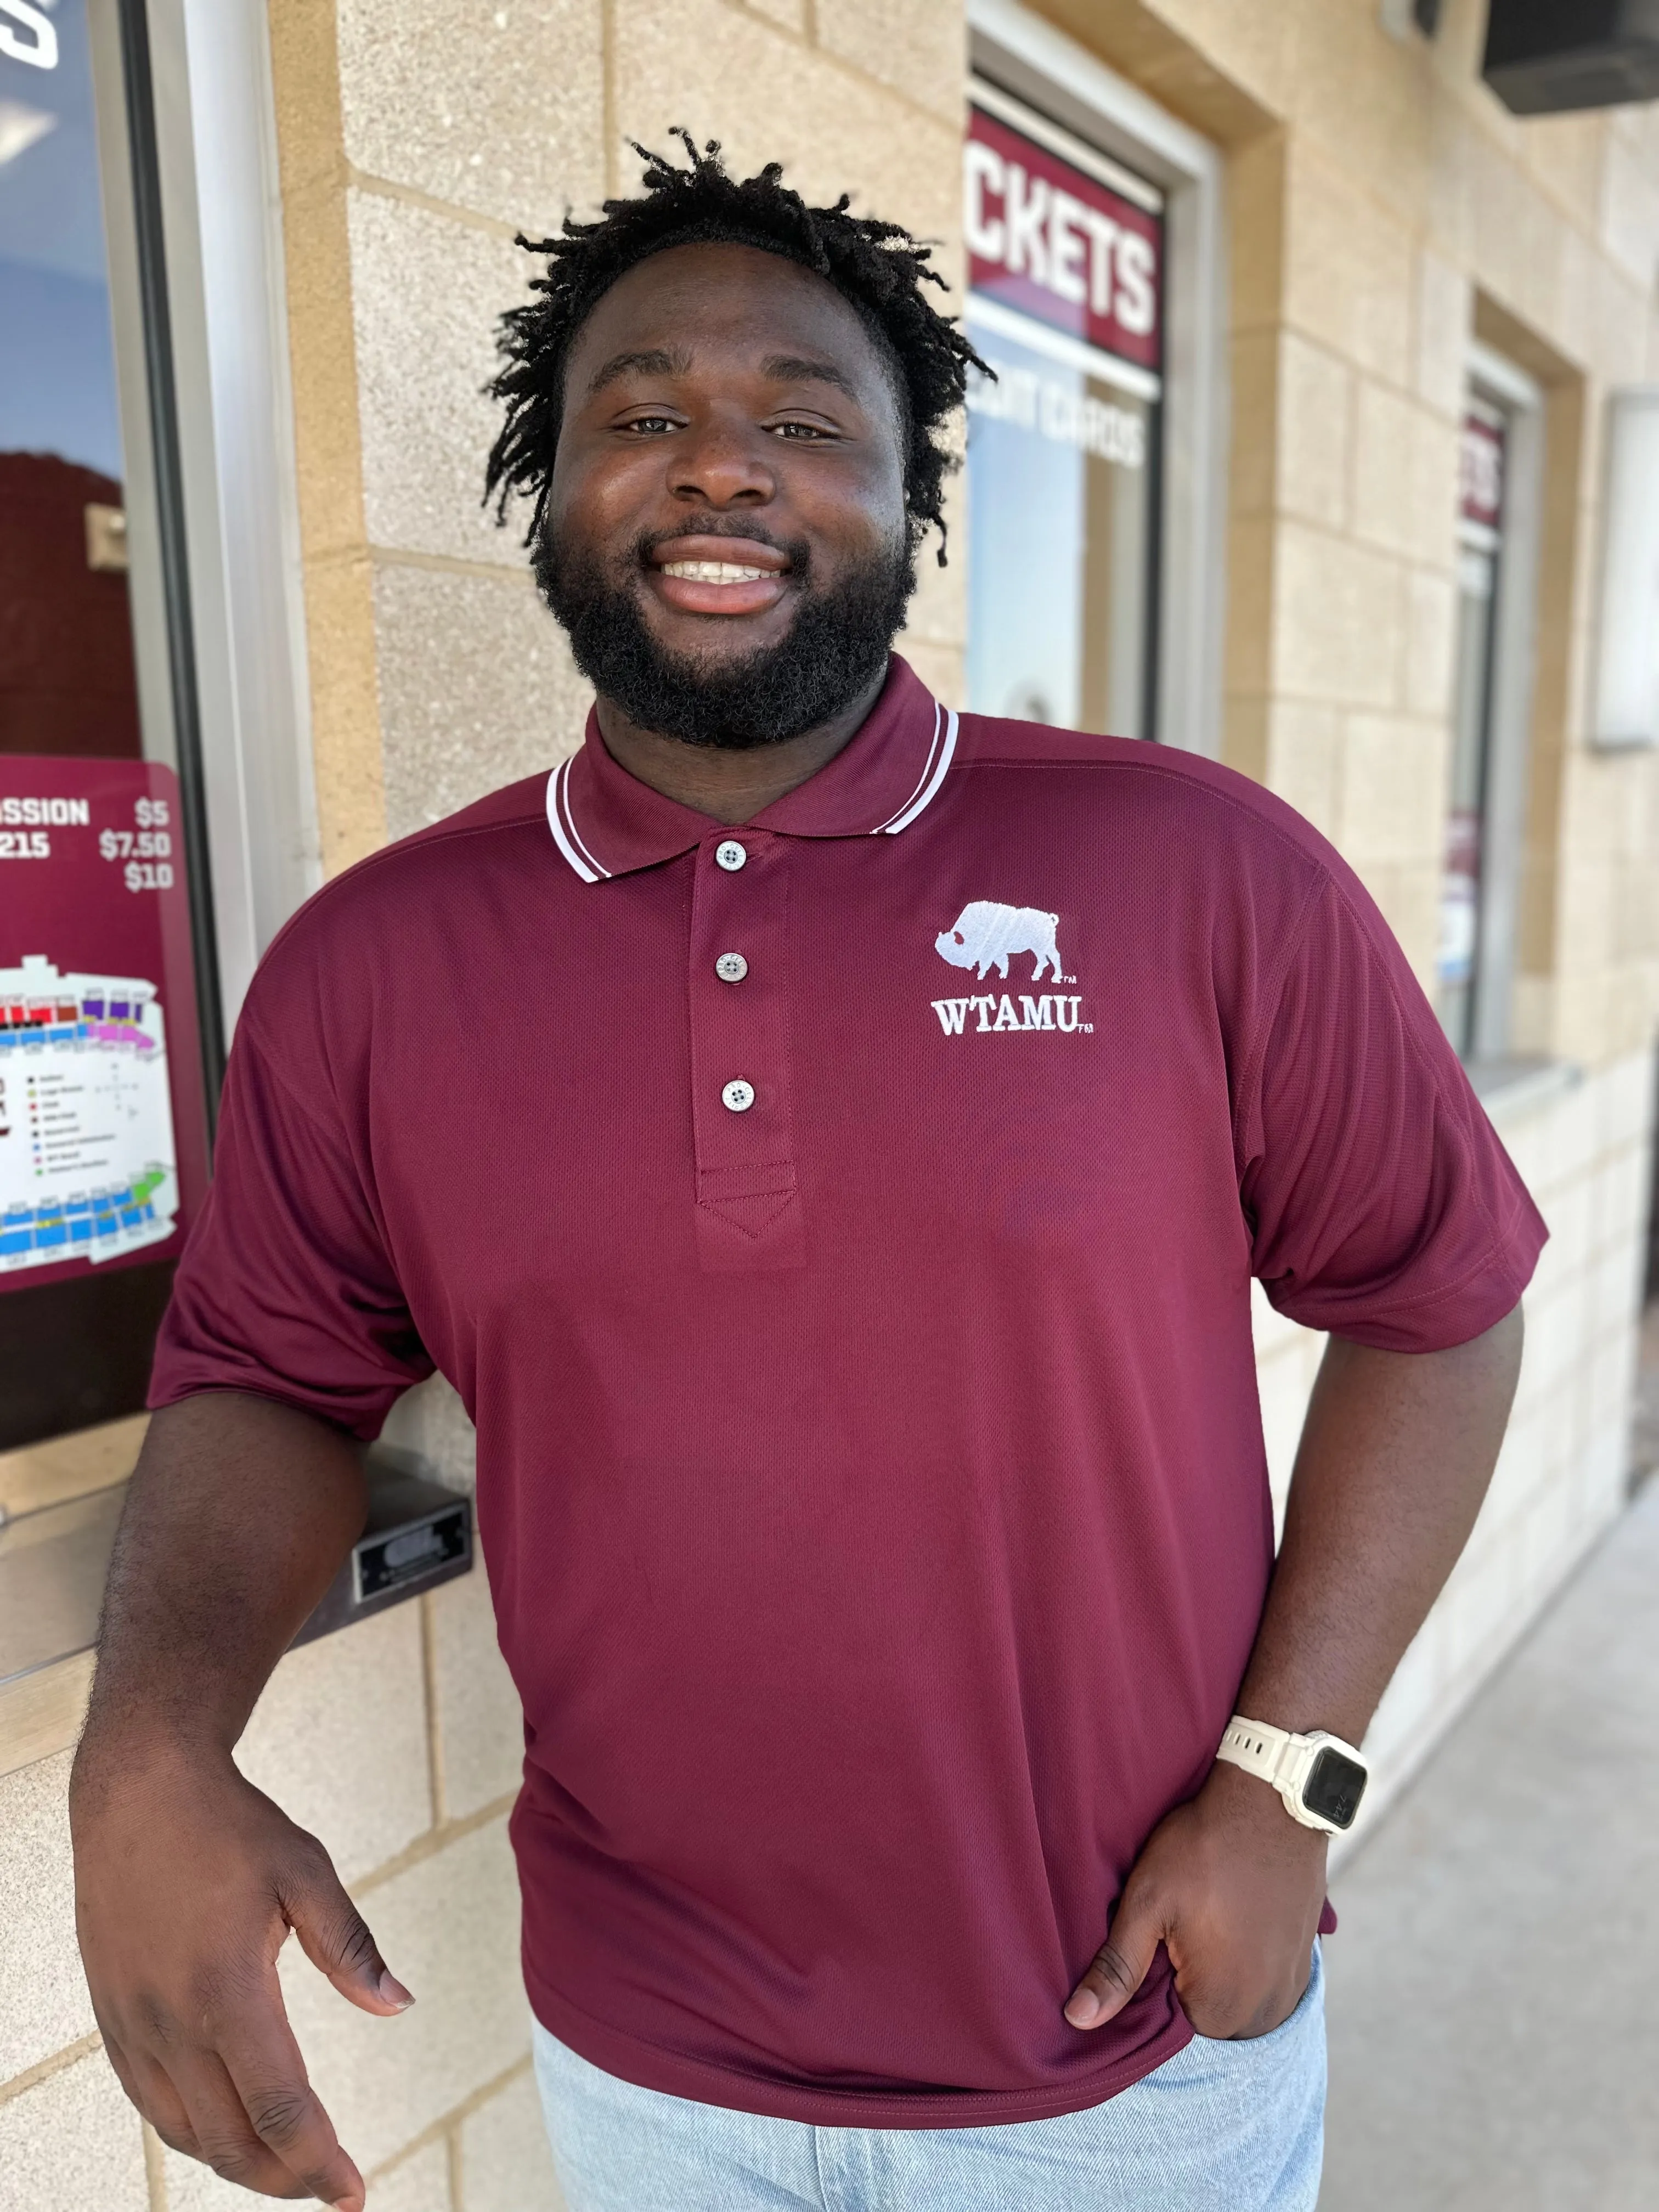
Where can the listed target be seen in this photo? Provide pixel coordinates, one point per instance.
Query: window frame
(1040, 66)
(198, 301)
(1492, 376)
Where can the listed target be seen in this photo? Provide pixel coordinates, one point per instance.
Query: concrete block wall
(1346, 427)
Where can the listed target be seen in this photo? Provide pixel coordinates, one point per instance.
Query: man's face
(725, 537)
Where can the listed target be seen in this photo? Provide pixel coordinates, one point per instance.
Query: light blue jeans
(1221, 2127)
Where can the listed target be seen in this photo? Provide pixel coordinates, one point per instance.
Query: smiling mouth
(719, 573)
(714, 571)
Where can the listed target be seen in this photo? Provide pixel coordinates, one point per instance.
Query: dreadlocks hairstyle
(877, 267)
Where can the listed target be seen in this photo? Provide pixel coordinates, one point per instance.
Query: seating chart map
(86, 1164)
(103, 1104)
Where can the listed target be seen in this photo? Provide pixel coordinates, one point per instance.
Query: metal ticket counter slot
(53, 1563)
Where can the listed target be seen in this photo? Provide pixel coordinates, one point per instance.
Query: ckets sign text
(1053, 242)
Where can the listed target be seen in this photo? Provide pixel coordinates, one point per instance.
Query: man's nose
(725, 463)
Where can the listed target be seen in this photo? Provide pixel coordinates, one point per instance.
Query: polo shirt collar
(607, 823)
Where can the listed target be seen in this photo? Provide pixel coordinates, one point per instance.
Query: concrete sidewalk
(1494, 1987)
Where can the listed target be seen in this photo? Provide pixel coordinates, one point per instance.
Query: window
(1065, 262)
(103, 1138)
(1497, 551)
(1098, 499)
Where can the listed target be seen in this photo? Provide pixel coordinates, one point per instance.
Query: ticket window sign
(1065, 306)
(1482, 465)
(103, 1154)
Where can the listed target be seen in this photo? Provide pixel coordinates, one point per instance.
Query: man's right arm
(187, 1878)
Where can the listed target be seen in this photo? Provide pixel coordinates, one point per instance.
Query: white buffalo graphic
(985, 935)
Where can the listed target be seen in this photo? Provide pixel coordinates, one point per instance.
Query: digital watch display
(1321, 1778)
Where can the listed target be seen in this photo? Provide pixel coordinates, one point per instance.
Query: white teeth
(714, 572)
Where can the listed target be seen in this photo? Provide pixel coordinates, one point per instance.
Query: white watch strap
(1259, 1748)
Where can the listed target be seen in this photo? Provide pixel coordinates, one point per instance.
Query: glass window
(102, 1126)
(1479, 553)
(1066, 252)
(66, 672)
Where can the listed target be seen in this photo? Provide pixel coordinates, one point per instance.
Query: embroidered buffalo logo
(987, 935)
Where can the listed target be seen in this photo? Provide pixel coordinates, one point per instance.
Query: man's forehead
(681, 360)
(674, 311)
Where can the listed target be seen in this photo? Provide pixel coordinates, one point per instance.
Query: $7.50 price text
(147, 850)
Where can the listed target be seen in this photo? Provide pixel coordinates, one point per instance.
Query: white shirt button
(730, 856)
(738, 1095)
(731, 967)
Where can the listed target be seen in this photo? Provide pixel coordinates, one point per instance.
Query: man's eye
(652, 425)
(809, 431)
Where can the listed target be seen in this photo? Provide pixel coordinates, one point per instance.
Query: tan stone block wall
(455, 726)
(478, 1728)
(46, 2006)
(348, 1706)
(71, 2140)
(499, 112)
(504, 2162)
(419, 2182)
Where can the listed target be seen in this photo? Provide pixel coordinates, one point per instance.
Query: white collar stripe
(925, 797)
(921, 780)
(558, 814)
(577, 839)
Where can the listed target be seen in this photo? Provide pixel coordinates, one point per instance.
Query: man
(857, 1326)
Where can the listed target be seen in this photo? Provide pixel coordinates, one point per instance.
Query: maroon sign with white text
(1481, 471)
(1046, 237)
(103, 1139)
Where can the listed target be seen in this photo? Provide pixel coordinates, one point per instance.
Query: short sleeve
(1381, 1204)
(285, 1288)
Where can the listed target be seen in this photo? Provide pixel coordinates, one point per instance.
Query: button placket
(747, 1200)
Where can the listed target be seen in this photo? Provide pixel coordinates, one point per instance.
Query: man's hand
(187, 1880)
(1232, 1888)
(187, 1883)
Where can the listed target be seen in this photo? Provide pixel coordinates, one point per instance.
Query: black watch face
(1335, 1786)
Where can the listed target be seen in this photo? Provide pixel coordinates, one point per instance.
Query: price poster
(103, 1141)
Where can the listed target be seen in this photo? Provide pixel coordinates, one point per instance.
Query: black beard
(832, 650)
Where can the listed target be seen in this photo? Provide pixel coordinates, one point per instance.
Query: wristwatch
(1321, 1778)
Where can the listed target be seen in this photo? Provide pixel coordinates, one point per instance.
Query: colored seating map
(87, 1166)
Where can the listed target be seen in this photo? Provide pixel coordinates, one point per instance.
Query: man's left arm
(1395, 1456)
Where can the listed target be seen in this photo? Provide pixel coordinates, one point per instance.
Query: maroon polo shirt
(858, 1332)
